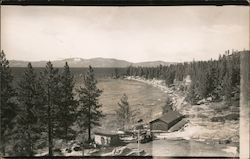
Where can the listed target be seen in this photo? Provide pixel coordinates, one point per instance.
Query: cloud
(223, 29)
(129, 33)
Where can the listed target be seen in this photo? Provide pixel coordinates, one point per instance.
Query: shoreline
(198, 129)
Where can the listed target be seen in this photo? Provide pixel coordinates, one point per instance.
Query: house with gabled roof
(166, 121)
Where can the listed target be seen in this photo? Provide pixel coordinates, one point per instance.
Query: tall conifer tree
(52, 93)
(7, 104)
(124, 114)
(67, 108)
(168, 106)
(89, 106)
(28, 126)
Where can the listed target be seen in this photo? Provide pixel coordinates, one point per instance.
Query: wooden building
(166, 121)
(104, 138)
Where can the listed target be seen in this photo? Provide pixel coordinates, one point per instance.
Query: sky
(135, 34)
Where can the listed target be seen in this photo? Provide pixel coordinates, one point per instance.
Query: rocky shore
(209, 122)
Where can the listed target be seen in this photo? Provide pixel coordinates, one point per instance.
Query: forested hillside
(218, 79)
(44, 105)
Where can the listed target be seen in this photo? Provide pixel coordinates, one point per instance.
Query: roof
(139, 125)
(178, 125)
(105, 133)
(169, 117)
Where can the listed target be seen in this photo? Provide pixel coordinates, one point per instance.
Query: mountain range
(94, 62)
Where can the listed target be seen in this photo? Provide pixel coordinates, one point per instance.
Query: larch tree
(88, 103)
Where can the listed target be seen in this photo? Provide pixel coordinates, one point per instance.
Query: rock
(77, 148)
(68, 150)
(209, 99)
(225, 141)
(57, 150)
(217, 119)
(201, 102)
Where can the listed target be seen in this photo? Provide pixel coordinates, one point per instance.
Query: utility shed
(105, 138)
(166, 121)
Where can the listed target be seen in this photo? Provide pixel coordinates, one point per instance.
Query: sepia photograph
(156, 81)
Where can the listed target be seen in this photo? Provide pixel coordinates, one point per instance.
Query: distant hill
(152, 63)
(94, 62)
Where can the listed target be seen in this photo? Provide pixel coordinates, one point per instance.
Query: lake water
(183, 148)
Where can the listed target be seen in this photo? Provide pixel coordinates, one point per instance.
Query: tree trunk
(82, 145)
(50, 136)
(30, 151)
(49, 126)
(2, 147)
(3, 150)
(66, 131)
(89, 127)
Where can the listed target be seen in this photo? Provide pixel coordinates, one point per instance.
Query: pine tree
(213, 78)
(124, 113)
(213, 82)
(116, 73)
(227, 87)
(52, 93)
(7, 103)
(66, 115)
(168, 106)
(169, 77)
(89, 106)
(203, 81)
(28, 127)
(129, 71)
(191, 95)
